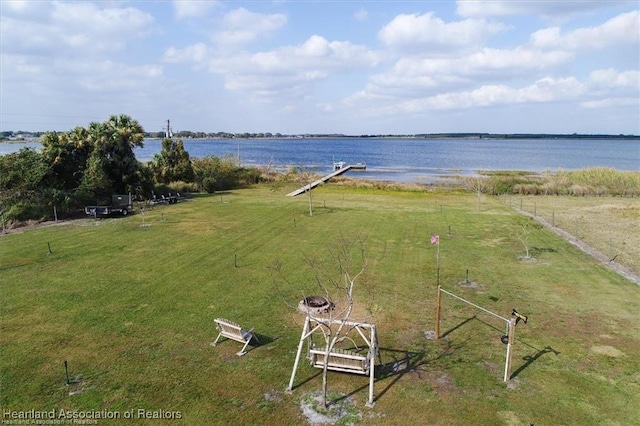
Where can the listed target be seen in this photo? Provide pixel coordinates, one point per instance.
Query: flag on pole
(435, 239)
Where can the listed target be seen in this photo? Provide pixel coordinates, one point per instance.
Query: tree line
(87, 165)
(188, 134)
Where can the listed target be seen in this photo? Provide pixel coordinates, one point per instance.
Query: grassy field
(609, 224)
(129, 303)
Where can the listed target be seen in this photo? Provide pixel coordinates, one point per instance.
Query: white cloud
(413, 77)
(185, 9)
(289, 69)
(546, 90)
(57, 28)
(108, 76)
(196, 53)
(72, 57)
(242, 26)
(326, 106)
(519, 58)
(612, 79)
(27, 8)
(99, 56)
(314, 46)
(423, 32)
(487, 76)
(623, 29)
(611, 103)
(361, 15)
(546, 8)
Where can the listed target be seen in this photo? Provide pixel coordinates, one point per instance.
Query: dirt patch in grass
(470, 284)
(609, 351)
(341, 410)
(442, 383)
(510, 418)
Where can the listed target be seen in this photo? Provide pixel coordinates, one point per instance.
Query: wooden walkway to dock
(312, 185)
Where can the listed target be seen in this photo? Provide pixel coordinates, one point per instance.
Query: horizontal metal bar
(473, 304)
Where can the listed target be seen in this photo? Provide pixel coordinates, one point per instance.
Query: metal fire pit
(315, 305)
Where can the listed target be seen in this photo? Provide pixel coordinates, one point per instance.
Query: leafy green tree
(215, 174)
(95, 184)
(83, 165)
(23, 179)
(67, 154)
(172, 164)
(112, 167)
(21, 171)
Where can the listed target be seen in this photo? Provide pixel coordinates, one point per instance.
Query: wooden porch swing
(346, 360)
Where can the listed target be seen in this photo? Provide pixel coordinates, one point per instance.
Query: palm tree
(117, 139)
(112, 158)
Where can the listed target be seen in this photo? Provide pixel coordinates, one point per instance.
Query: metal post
(475, 306)
(438, 303)
(507, 364)
(66, 373)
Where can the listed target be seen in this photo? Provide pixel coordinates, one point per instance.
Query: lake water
(407, 159)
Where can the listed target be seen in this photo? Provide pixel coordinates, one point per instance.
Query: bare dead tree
(478, 186)
(332, 337)
(335, 325)
(523, 234)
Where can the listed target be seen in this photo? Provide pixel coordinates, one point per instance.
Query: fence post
(438, 302)
(507, 364)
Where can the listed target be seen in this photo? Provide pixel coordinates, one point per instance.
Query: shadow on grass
(401, 362)
(535, 251)
(257, 341)
(451, 330)
(530, 359)
(260, 340)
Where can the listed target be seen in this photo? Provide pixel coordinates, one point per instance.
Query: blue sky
(352, 67)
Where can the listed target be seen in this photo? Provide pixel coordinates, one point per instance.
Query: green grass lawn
(131, 309)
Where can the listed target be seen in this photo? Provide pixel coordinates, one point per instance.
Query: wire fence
(609, 226)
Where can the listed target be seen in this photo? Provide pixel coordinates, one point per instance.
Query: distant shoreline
(188, 135)
(487, 136)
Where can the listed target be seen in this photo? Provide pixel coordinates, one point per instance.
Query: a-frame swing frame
(510, 328)
(339, 360)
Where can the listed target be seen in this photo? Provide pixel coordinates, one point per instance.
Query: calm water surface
(410, 160)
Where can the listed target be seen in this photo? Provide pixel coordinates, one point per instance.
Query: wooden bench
(233, 331)
(340, 360)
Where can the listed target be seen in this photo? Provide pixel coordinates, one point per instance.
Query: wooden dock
(312, 185)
